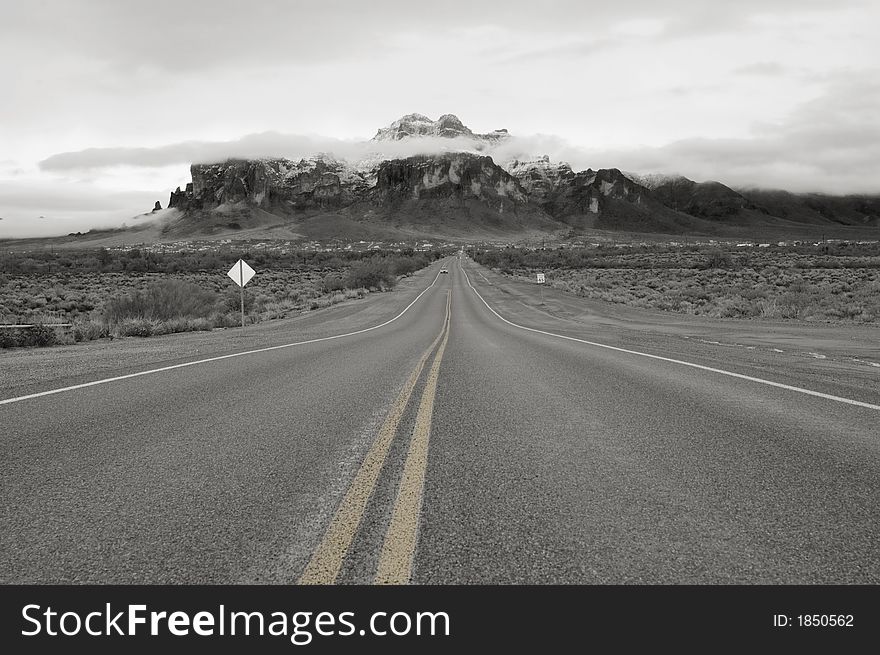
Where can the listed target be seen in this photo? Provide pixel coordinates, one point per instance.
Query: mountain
(653, 180)
(538, 176)
(447, 126)
(320, 181)
(817, 208)
(461, 191)
(710, 200)
(603, 199)
(715, 201)
(453, 194)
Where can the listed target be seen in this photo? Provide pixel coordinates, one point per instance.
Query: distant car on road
(443, 270)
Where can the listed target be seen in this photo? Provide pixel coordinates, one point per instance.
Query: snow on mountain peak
(448, 126)
(538, 174)
(539, 163)
(419, 125)
(653, 180)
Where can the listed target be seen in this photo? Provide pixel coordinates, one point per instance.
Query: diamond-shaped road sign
(241, 273)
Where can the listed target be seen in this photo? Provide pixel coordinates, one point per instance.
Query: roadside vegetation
(136, 293)
(834, 282)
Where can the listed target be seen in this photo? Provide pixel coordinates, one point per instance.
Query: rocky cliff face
(587, 192)
(323, 182)
(562, 192)
(320, 181)
(539, 177)
(457, 175)
(455, 194)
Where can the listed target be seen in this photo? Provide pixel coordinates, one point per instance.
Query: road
(446, 433)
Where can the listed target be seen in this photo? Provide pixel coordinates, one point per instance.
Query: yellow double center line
(395, 564)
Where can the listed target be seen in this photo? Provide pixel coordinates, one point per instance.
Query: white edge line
(788, 387)
(214, 359)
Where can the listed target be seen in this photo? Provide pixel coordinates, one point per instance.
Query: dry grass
(109, 299)
(773, 283)
(819, 294)
(146, 304)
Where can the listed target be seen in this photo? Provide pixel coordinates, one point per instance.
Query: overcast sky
(106, 103)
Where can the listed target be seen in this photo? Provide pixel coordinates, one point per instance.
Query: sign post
(541, 281)
(241, 274)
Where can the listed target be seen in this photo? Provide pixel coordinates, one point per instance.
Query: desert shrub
(183, 324)
(90, 330)
(14, 337)
(260, 303)
(406, 264)
(333, 282)
(64, 338)
(769, 308)
(718, 259)
(137, 327)
(38, 335)
(162, 301)
(231, 300)
(375, 273)
(736, 308)
(202, 324)
(328, 300)
(8, 339)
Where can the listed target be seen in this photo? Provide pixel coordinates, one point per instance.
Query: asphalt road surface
(438, 441)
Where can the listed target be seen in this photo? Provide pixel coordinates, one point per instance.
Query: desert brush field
(79, 296)
(828, 282)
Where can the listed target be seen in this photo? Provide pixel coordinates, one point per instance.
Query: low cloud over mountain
(417, 169)
(444, 179)
(829, 144)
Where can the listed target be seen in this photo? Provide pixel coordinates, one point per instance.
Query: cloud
(830, 143)
(763, 68)
(578, 48)
(291, 146)
(692, 90)
(51, 197)
(47, 208)
(647, 24)
(788, 160)
(199, 35)
(263, 144)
